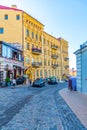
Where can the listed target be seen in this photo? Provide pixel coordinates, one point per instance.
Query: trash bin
(73, 83)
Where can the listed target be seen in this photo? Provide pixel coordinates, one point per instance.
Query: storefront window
(4, 51)
(9, 54)
(20, 58)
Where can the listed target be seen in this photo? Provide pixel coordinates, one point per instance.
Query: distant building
(11, 61)
(81, 64)
(72, 72)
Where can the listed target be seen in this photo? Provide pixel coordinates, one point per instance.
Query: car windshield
(38, 80)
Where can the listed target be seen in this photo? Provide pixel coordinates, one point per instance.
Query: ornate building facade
(44, 55)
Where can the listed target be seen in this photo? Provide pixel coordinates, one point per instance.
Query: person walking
(28, 82)
(14, 82)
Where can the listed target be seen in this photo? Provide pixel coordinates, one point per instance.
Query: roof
(33, 18)
(60, 39)
(82, 47)
(12, 45)
(9, 8)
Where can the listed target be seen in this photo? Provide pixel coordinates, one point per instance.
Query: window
(37, 73)
(44, 51)
(52, 72)
(40, 38)
(37, 59)
(27, 32)
(17, 17)
(49, 62)
(36, 37)
(27, 60)
(32, 45)
(44, 62)
(45, 73)
(41, 60)
(32, 34)
(9, 52)
(40, 72)
(55, 72)
(20, 57)
(49, 72)
(48, 52)
(27, 46)
(4, 53)
(1, 30)
(32, 60)
(6, 17)
(44, 41)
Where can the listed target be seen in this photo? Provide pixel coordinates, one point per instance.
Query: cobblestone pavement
(36, 109)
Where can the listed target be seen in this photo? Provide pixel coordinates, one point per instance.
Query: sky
(62, 18)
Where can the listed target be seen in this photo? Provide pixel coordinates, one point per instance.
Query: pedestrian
(27, 82)
(14, 82)
(30, 82)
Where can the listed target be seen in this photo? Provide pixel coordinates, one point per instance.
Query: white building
(81, 65)
(11, 61)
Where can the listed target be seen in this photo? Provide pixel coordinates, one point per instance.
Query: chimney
(14, 6)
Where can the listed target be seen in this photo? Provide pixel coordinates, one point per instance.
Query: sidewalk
(77, 102)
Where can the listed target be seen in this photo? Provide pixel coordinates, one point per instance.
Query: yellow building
(44, 55)
(64, 62)
(51, 47)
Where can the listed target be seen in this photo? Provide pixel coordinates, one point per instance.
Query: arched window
(32, 34)
(27, 32)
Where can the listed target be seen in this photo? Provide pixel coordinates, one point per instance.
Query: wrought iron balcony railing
(54, 65)
(54, 46)
(66, 58)
(36, 51)
(36, 64)
(54, 56)
(66, 66)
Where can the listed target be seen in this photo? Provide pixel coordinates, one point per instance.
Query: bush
(7, 79)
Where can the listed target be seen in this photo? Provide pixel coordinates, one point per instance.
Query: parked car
(20, 80)
(38, 83)
(52, 81)
(46, 80)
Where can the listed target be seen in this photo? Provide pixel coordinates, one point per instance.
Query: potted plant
(7, 80)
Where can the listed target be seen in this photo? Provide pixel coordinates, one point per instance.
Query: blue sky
(62, 18)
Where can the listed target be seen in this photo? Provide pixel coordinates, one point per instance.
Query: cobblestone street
(25, 108)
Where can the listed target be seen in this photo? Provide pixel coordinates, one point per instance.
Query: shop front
(10, 68)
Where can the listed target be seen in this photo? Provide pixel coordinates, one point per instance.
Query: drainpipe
(43, 53)
(23, 39)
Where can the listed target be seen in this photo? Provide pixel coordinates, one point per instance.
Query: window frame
(1, 30)
(17, 16)
(6, 16)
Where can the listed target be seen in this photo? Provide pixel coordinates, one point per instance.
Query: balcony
(54, 47)
(36, 51)
(36, 64)
(54, 56)
(66, 66)
(54, 65)
(66, 58)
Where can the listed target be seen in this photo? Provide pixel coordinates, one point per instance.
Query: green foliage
(7, 79)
